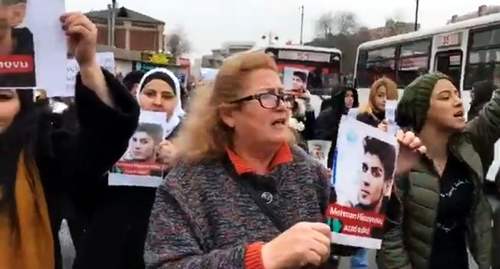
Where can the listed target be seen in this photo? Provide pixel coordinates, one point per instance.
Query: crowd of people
(240, 190)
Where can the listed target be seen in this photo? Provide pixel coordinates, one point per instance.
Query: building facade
(391, 28)
(227, 49)
(483, 10)
(133, 31)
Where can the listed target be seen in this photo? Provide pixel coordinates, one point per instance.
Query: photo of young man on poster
(142, 151)
(17, 68)
(377, 174)
(299, 80)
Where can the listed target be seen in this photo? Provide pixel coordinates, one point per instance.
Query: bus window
(416, 48)
(450, 63)
(373, 65)
(384, 53)
(411, 68)
(484, 56)
(413, 61)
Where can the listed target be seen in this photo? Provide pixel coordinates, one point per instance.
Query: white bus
(323, 65)
(467, 51)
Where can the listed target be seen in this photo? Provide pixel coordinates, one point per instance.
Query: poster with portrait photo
(105, 59)
(295, 78)
(32, 44)
(319, 149)
(139, 166)
(364, 172)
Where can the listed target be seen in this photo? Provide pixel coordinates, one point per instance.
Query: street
(345, 262)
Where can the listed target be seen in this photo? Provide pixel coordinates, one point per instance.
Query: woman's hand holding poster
(364, 174)
(141, 164)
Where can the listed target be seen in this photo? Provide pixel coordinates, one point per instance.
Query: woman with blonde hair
(242, 194)
(373, 112)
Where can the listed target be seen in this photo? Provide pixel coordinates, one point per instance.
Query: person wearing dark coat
(118, 226)
(327, 123)
(480, 95)
(132, 79)
(41, 165)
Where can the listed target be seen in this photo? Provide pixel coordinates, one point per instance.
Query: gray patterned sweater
(203, 219)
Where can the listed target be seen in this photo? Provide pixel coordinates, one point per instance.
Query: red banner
(16, 64)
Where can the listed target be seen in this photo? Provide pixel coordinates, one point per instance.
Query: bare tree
(325, 24)
(178, 43)
(342, 22)
(346, 22)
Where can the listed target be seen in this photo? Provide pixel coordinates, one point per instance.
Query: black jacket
(118, 226)
(371, 119)
(75, 159)
(327, 124)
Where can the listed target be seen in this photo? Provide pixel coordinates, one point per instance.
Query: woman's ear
(226, 115)
(18, 14)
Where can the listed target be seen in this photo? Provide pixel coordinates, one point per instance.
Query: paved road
(345, 263)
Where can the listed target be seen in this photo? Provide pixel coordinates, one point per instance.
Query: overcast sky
(208, 23)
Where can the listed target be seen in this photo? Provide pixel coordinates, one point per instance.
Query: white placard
(139, 165)
(352, 113)
(365, 163)
(390, 116)
(36, 49)
(105, 59)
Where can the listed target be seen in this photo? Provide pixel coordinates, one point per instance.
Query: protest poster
(139, 166)
(352, 113)
(295, 78)
(365, 162)
(33, 47)
(105, 59)
(390, 116)
(319, 149)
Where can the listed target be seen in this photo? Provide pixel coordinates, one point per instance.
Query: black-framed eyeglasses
(269, 100)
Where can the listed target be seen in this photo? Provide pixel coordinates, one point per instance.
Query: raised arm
(174, 240)
(107, 113)
(105, 127)
(484, 130)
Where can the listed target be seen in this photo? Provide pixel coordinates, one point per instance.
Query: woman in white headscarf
(160, 91)
(117, 232)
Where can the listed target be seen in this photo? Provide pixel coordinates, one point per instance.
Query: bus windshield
(323, 67)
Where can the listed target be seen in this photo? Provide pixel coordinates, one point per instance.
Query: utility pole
(417, 4)
(111, 22)
(301, 25)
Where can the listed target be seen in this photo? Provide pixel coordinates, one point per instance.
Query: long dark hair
(21, 136)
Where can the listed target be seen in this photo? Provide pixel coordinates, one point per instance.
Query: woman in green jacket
(439, 209)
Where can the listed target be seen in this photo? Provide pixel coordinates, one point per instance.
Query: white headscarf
(178, 112)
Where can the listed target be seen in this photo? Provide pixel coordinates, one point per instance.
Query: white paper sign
(364, 172)
(105, 59)
(390, 116)
(35, 43)
(139, 165)
(352, 113)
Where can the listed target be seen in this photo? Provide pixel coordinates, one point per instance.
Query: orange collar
(282, 156)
